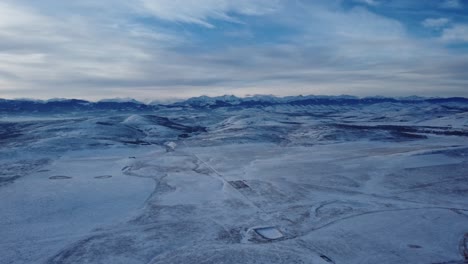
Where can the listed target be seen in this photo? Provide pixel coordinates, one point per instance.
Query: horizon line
(175, 100)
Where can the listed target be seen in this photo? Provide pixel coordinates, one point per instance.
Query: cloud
(357, 35)
(456, 34)
(369, 2)
(146, 49)
(435, 23)
(39, 50)
(201, 11)
(451, 4)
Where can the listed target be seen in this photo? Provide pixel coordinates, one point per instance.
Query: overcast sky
(158, 49)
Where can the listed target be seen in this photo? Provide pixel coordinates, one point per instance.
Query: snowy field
(381, 183)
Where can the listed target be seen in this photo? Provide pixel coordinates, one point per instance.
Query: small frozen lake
(270, 233)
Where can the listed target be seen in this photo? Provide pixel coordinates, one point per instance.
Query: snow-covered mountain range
(258, 101)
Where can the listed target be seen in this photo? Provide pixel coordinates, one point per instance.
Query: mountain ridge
(129, 104)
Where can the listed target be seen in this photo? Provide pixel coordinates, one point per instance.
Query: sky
(168, 49)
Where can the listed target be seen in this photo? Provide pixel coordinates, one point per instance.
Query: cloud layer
(152, 49)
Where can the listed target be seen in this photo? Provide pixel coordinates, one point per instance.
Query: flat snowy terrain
(383, 182)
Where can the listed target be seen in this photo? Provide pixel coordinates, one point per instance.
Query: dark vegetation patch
(11, 171)
(414, 246)
(9, 131)
(136, 142)
(327, 259)
(60, 177)
(164, 121)
(103, 177)
(104, 123)
(411, 135)
(6, 180)
(408, 130)
(239, 184)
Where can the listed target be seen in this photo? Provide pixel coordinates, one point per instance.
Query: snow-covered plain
(279, 183)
